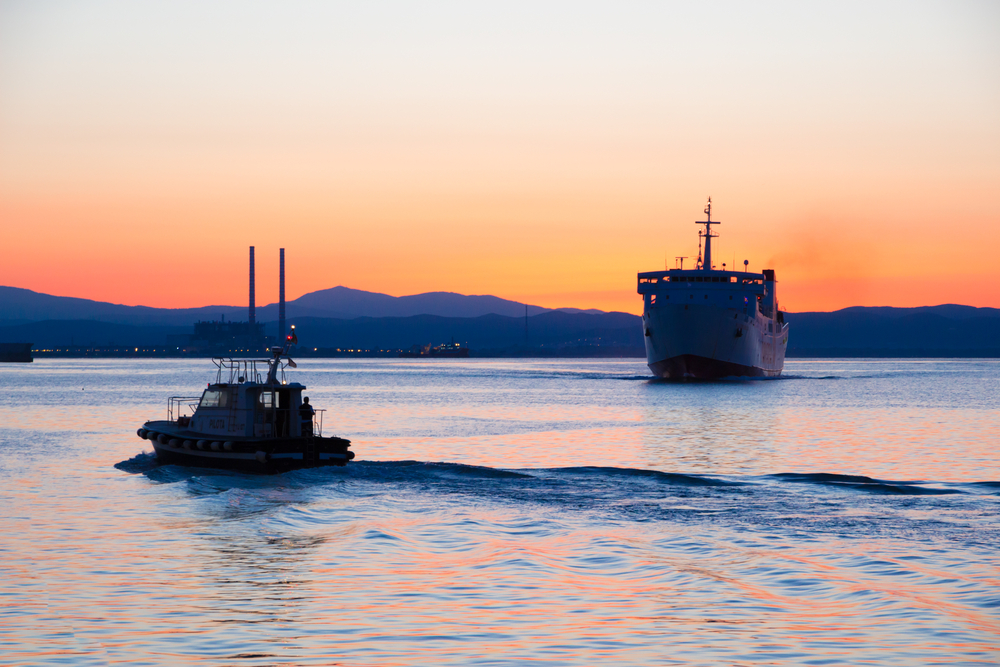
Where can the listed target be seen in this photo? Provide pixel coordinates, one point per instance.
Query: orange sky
(540, 154)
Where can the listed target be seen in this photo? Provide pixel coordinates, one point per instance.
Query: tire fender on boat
(228, 446)
(188, 444)
(141, 433)
(216, 446)
(174, 442)
(262, 456)
(162, 439)
(202, 444)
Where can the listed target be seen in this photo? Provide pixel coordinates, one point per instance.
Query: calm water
(512, 512)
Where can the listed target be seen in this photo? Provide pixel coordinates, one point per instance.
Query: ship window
(267, 399)
(213, 398)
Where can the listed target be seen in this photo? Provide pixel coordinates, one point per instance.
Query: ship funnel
(281, 295)
(253, 296)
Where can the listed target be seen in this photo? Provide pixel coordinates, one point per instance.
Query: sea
(512, 512)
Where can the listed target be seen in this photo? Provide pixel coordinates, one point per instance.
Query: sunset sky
(543, 152)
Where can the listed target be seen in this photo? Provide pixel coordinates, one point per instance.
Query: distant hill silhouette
(346, 303)
(925, 331)
(19, 305)
(22, 305)
(55, 333)
(550, 329)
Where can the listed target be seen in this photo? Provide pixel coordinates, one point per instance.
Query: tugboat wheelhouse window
(213, 398)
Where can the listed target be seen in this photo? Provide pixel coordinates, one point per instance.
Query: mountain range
(346, 318)
(18, 305)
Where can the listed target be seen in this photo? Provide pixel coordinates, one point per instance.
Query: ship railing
(238, 371)
(181, 406)
(318, 422)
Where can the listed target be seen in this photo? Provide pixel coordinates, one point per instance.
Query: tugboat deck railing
(318, 422)
(237, 371)
(177, 404)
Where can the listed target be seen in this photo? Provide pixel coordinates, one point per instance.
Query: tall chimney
(253, 297)
(281, 298)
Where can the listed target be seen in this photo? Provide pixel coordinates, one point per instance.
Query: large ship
(704, 323)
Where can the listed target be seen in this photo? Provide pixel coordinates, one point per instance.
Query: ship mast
(708, 235)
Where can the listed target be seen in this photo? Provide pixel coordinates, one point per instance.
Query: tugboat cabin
(246, 406)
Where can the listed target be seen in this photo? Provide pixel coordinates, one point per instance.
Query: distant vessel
(246, 420)
(704, 323)
(16, 352)
(451, 349)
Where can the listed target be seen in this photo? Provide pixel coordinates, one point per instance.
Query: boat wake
(598, 481)
(138, 464)
(788, 504)
(868, 484)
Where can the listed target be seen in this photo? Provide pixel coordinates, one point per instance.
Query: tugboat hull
(188, 448)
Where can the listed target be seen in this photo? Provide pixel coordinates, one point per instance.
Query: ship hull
(702, 368)
(176, 446)
(708, 342)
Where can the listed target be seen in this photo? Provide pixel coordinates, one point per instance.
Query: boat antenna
(278, 351)
(708, 235)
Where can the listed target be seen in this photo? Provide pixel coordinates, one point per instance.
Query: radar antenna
(707, 235)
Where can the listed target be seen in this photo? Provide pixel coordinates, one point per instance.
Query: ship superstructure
(705, 323)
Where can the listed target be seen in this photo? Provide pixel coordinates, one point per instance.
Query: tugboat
(706, 324)
(251, 418)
